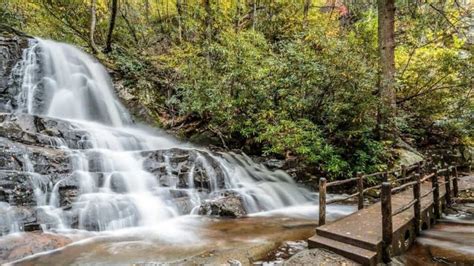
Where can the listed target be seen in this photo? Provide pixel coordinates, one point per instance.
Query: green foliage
(289, 86)
(310, 97)
(304, 139)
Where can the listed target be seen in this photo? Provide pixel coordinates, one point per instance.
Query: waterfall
(70, 85)
(117, 189)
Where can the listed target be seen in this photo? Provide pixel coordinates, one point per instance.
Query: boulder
(184, 205)
(408, 157)
(205, 138)
(17, 188)
(69, 187)
(15, 218)
(17, 247)
(41, 131)
(42, 160)
(318, 257)
(227, 206)
(174, 166)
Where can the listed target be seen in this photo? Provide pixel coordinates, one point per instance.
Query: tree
(307, 5)
(386, 43)
(254, 14)
(179, 9)
(92, 26)
(113, 15)
(147, 11)
(208, 20)
(238, 12)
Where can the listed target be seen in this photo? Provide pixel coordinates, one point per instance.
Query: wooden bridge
(389, 227)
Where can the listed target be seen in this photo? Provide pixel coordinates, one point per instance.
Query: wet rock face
(230, 205)
(16, 188)
(11, 50)
(16, 247)
(193, 168)
(33, 164)
(41, 131)
(18, 157)
(15, 216)
(32, 159)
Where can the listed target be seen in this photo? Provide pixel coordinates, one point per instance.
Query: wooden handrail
(387, 225)
(417, 205)
(402, 169)
(455, 182)
(331, 201)
(426, 177)
(374, 174)
(427, 193)
(404, 207)
(447, 196)
(360, 191)
(373, 187)
(435, 187)
(394, 190)
(449, 174)
(323, 185)
(404, 178)
(340, 182)
(322, 201)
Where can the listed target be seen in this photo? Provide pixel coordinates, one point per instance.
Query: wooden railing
(402, 174)
(411, 176)
(449, 173)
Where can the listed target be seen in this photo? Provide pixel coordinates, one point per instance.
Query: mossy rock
(408, 157)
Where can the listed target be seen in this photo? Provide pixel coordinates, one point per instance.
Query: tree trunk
(208, 21)
(179, 8)
(92, 28)
(386, 42)
(237, 17)
(307, 5)
(147, 12)
(113, 15)
(130, 27)
(254, 14)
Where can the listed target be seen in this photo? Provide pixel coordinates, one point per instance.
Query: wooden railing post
(360, 189)
(417, 206)
(322, 201)
(447, 196)
(404, 171)
(435, 186)
(455, 182)
(418, 168)
(386, 203)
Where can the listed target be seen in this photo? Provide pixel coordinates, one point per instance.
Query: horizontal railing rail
(404, 178)
(401, 174)
(450, 175)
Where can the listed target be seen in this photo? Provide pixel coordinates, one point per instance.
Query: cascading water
(116, 190)
(61, 81)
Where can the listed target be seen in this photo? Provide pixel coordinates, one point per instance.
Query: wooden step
(348, 239)
(357, 254)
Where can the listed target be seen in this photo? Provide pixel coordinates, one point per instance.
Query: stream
(450, 241)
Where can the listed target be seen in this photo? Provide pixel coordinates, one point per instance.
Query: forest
(299, 80)
(236, 132)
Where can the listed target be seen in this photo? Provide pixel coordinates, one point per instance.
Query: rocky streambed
(198, 241)
(450, 242)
